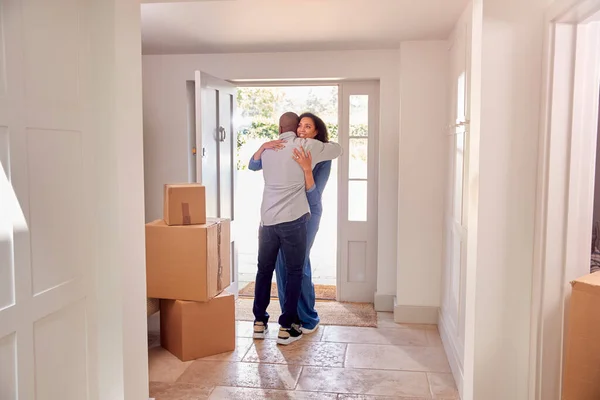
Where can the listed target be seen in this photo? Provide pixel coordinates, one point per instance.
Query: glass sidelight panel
(357, 201)
(359, 115)
(459, 176)
(358, 155)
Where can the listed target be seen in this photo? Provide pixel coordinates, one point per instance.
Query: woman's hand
(273, 145)
(304, 159)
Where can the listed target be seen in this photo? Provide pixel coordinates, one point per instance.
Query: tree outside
(259, 109)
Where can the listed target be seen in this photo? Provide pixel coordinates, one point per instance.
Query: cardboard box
(192, 330)
(184, 204)
(581, 379)
(187, 262)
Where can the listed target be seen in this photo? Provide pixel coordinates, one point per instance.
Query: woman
(312, 127)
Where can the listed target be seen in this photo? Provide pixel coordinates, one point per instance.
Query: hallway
(393, 361)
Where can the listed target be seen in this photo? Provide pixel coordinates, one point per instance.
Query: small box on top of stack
(188, 268)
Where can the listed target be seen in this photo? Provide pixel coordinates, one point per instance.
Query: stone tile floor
(392, 361)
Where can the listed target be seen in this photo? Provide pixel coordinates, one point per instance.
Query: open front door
(357, 216)
(214, 145)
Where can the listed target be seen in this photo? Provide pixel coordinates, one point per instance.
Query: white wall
(120, 239)
(165, 113)
(422, 163)
(502, 198)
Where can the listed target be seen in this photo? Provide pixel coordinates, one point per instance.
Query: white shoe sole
(289, 340)
(309, 331)
(260, 335)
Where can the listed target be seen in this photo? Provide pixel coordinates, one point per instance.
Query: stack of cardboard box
(188, 268)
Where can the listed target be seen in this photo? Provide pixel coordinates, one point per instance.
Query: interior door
(357, 216)
(455, 231)
(215, 141)
(48, 346)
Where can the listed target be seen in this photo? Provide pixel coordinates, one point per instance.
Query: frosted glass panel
(359, 115)
(358, 158)
(458, 176)
(460, 96)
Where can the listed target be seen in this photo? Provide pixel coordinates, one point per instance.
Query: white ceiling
(249, 26)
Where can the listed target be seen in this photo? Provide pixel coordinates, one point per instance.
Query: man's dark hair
(288, 122)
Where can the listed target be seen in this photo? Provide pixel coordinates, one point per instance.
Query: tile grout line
(386, 344)
(211, 392)
(247, 351)
(329, 367)
(277, 390)
(298, 379)
(429, 385)
(344, 363)
(345, 355)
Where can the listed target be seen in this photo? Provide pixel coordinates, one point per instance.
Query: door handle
(222, 134)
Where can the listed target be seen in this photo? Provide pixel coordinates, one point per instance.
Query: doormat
(322, 292)
(330, 312)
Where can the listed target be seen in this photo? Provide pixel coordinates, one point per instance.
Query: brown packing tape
(185, 212)
(220, 268)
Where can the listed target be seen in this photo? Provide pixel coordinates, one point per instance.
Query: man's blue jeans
(290, 237)
(306, 304)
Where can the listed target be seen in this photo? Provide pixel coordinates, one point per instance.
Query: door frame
(346, 290)
(565, 183)
(376, 123)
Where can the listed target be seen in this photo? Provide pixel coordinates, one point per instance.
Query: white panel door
(47, 278)
(357, 216)
(455, 231)
(216, 102)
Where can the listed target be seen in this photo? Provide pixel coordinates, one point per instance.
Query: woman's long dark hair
(320, 127)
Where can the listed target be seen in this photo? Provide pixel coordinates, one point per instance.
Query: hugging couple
(296, 168)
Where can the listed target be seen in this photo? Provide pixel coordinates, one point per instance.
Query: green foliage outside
(270, 131)
(264, 105)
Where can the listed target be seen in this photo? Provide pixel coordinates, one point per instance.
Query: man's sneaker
(260, 330)
(289, 335)
(309, 331)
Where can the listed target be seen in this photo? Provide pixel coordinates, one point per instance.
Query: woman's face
(306, 128)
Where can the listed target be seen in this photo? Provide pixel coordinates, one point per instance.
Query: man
(284, 213)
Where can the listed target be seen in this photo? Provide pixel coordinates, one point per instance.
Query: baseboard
(451, 354)
(384, 302)
(415, 314)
